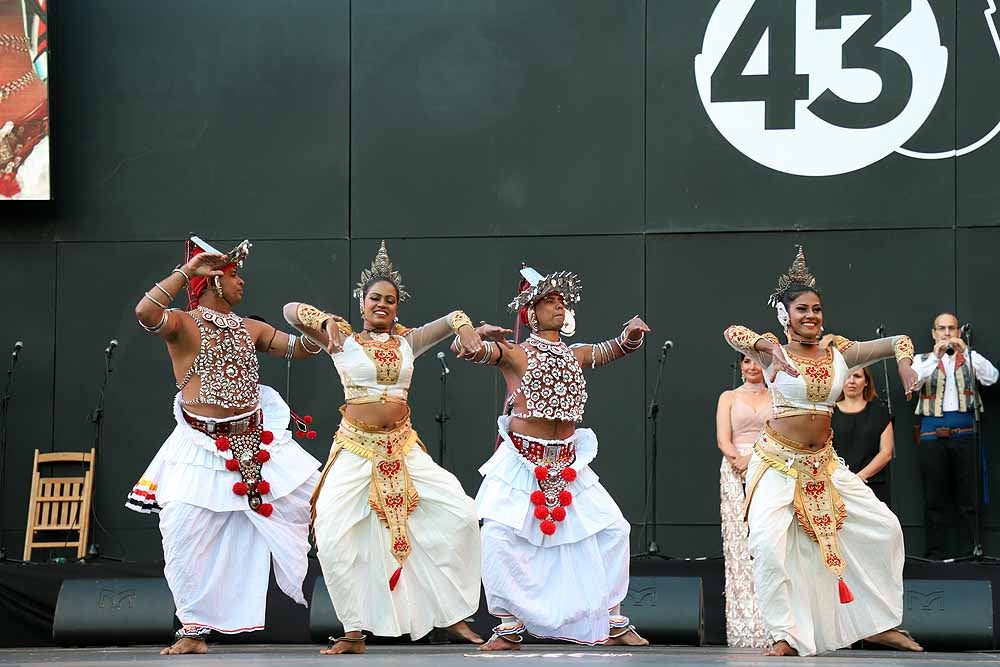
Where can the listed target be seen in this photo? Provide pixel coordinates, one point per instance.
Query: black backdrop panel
(138, 412)
(978, 117)
(711, 281)
(211, 115)
(28, 315)
(480, 276)
(482, 118)
(696, 180)
(978, 274)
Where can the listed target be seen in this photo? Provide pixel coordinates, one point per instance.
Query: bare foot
(781, 648)
(895, 639)
(628, 638)
(345, 645)
(463, 631)
(186, 645)
(498, 643)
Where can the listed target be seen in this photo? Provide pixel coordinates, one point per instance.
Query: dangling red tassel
(845, 592)
(394, 579)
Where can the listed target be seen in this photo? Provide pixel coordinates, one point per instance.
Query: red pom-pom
(232, 465)
(568, 474)
(541, 511)
(565, 498)
(537, 498)
(222, 443)
(559, 513)
(548, 527)
(265, 509)
(263, 457)
(311, 435)
(266, 437)
(541, 472)
(845, 593)
(263, 486)
(240, 488)
(307, 420)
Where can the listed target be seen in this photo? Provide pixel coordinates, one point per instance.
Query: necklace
(221, 320)
(379, 336)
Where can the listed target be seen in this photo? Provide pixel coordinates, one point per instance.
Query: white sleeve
(924, 368)
(986, 372)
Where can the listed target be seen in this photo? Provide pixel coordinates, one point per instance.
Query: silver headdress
(381, 269)
(235, 256)
(562, 282)
(798, 276)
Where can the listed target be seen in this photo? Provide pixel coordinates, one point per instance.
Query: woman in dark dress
(862, 432)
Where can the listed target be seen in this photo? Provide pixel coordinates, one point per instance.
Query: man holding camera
(947, 409)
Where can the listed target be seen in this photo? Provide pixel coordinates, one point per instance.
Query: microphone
(17, 348)
(880, 330)
(110, 349)
(965, 329)
(667, 344)
(444, 367)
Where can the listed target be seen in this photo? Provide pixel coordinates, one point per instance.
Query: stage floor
(452, 656)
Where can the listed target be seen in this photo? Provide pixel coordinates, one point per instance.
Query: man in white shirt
(947, 406)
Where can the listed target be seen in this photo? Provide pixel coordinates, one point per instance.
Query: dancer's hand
(494, 333)
(635, 329)
(335, 338)
(780, 362)
(206, 264)
(908, 377)
(825, 341)
(468, 341)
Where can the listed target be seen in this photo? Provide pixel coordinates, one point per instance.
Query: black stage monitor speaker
(323, 621)
(667, 610)
(113, 612)
(949, 614)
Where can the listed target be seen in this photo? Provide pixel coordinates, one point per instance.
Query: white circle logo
(820, 87)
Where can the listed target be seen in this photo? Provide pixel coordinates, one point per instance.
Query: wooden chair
(60, 504)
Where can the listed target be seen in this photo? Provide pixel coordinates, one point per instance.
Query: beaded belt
(215, 428)
(553, 471)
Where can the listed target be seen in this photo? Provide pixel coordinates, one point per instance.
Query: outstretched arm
(274, 343)
(762, 348)
(496, 349)
(858, 354)
(319, 329)
(153, 310)
(456, 323)
(628, 341)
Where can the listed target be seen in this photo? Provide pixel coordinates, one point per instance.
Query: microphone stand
(4, 406)
(977, 430)
(649, 457)
(442, 417)
(880, 332)
(97, 419)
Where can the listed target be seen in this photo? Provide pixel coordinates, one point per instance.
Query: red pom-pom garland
(537, 498)
(232, 465)
(541, 512)
(559, 513)
(222, 443)
(307, 420)
(541, 472)
(568, 474)
(266, 437)
(311, 435)
(265, 509)
(565, 498)
(263, 486)
(240, 488)
(548, 527)
(264, 457)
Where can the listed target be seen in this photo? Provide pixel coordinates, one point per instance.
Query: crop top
(553, 385)
(373, 371)
(820, 381)
(226, 363)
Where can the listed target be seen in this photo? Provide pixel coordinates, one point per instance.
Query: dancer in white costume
(555, 544)
(815, 528)
(398, 538)
(230, 486)
(739, 419)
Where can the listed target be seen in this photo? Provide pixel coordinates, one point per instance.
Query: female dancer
(863, 432)
(845, 540)
(397, 537)
(739, 420)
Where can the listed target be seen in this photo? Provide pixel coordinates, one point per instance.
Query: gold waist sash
(392, 495)
(819, 508)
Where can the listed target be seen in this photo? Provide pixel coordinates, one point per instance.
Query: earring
(532, 319)
(218, 286)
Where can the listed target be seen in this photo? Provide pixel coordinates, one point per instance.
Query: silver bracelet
(170, 297)
(178, 269)
(161, 305)
(291, 346)
(158, 327)
(486, 354)
(302, 342)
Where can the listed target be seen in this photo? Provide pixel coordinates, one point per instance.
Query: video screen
(24, 100)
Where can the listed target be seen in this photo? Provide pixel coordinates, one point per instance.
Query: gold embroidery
(817, 374)
(741, 337)
(387, 357)
(842, 343)
(903, 347)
